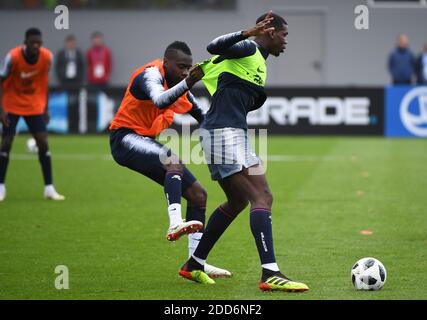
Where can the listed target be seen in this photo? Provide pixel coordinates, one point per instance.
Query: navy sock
(196, 213)
(4, 161)
(173, 186)
(217, 224)
(46, 164)
(261, 227)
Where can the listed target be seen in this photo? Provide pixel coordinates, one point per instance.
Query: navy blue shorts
(35, 124)
(143, 154)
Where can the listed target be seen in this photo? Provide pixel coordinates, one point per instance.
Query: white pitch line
(55, 156)
(107, 157)
(306, 158)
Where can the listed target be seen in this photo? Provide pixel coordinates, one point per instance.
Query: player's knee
(5, 147)
(178, 167)
(44, 150)
(268, 198)
(262, 200)
(201, 197)
(42, 146)
(196, 196)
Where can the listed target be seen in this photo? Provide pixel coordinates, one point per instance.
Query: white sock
(49, 188)
(271, 266)
(201, 261)
(193, 242)
(175, 216)
(2, 187)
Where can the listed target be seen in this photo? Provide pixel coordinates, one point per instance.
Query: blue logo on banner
(406, 111)
(58, 111)
(105, 111)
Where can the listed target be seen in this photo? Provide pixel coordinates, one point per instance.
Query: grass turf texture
(110, 232)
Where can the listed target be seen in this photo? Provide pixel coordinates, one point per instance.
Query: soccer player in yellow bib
(235, 78)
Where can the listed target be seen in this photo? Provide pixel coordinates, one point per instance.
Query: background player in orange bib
(157, 91)
(24, 92)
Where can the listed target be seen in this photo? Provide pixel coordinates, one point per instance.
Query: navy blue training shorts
(35, 124)
(142, 154)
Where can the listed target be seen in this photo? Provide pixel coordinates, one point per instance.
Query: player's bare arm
(3, 115)
(46, 115)
(236, 44)
(4, 73)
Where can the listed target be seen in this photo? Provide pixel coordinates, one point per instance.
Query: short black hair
(277, 22)
(32, 32)
(96, 34)
(70, 37)
(177, 45)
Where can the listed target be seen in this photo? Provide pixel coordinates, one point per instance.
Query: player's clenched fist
(194, 75)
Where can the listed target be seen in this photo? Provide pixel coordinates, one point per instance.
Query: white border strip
(421, 4)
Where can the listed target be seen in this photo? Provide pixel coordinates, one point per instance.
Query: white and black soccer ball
(368, 274)
(32, 146)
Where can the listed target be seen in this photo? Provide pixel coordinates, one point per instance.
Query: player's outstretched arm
(3, 115)
(4, 73)
(151, 83)
(46, 115)
(233, 45)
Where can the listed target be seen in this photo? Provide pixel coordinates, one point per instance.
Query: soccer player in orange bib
(24, 92)
(157, 91)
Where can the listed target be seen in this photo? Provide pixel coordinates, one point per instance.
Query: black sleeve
(196, 112)
(232, 45)
(150, 84)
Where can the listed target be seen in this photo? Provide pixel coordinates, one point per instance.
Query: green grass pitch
(110, 232)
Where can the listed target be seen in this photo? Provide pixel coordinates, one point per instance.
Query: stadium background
(328, 188)
(325, 50)
(324, 46)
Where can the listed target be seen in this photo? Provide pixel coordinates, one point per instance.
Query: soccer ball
(32, 146)
(368, 274)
